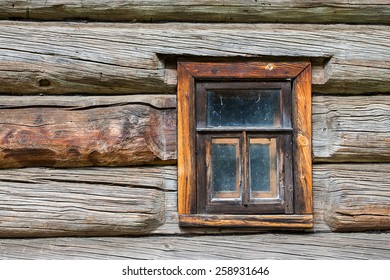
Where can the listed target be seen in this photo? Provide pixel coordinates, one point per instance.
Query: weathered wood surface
(332, 185)
(330, 11)
(351, 128)
(98, 202)
(117, 201)
(357, 197)
(120, 58)
(259, 246)
(87, 133)
(302, 143)
(78, 102)
(81, 131)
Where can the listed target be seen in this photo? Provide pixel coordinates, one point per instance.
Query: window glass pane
(260, 107)
(262, 168)
(225, 168)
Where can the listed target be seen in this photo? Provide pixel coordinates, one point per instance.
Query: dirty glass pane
(224, 170)
(259, 166)
(254, 108)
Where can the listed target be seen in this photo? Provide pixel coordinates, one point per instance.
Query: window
(244, 144)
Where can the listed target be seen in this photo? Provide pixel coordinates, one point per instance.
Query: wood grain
(291, 222)
(248, 69)
(357, 197)
(351, 128)
(330, 11)
(301, 104)
(186, 142)
(191, 185)
(345, 129)
(123, 58)
(345, 196)
(99, 202)
(96, 133)
(272, 246)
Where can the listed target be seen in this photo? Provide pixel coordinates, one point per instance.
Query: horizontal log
(99, 202)
(122, 58)
(89, 133)
(342, 200)
(79, 102)
(357, 197)
(43, 201)
(272, 246)
(331, 11)
(351, 128)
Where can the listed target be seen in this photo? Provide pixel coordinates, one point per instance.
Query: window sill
(260, 221)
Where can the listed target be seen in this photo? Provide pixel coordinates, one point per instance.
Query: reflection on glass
(262, 167)
(259, 107)
(224, 168)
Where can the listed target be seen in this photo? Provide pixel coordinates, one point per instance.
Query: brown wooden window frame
(297, 207)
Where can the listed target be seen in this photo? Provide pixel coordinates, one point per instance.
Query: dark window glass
(253, 108)
(263, 168)
(259, 167)
(224, 169)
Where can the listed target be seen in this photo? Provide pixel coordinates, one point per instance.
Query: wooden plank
(351, 128)
(260, 221)
(247, 70)
(186, 142)
(122, 58)
(272, 246)
(96, 133)
(357, 197)
(44, 202)
(330, 11)
(301, 104)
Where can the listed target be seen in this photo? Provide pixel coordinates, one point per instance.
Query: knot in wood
(302, 140)
(269, 67)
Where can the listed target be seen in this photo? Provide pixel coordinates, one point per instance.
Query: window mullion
(245, 168)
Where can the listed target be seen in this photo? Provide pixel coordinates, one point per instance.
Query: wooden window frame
(299, 73)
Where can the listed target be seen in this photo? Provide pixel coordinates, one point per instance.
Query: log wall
(88, 125)
(288, 11)
(135, 58)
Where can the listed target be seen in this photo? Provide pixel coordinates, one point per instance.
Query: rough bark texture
(260, 246)
(96, 133)
(330, 11)
(101, 58)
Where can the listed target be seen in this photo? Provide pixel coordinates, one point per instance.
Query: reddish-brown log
(103, 135)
